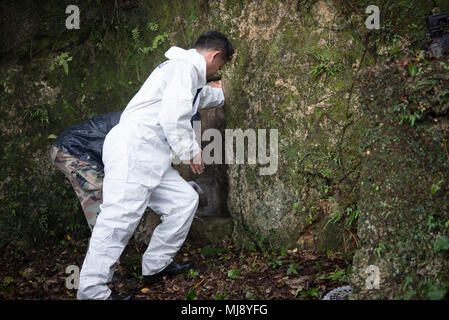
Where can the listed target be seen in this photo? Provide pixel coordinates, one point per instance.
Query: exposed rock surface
(404, 205)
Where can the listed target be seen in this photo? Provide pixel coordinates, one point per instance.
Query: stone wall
(292, 72)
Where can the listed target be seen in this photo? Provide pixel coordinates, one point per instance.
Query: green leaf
(296, 206)
(399, 107)
(193, 273)
(191, 294)
(441, 243)
(436, 292)
(284, 251)
(221, 296)
(234, 274)
(313, 292)
(275, 263)
(8, 280)
(412, 69)
(436, 187)
(408, 280)
(292, 269)
(298, 290)
(66, 67)
(52, 136)
(410, 294)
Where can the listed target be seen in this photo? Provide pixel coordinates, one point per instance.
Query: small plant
(133, 264)
(40, 113)
(433, 223)
(414, 70)
(379, 248)
(436, 292)
(436, 187)
(310, 219)
(284, 252)
(444, 95)
(7, 280)
(190, 294)
(352, 215)
(193, 273)
(337, 275)
(221, 296)
(157, 40)
(152, 26)
(298, 291)
(310, 293)
(209, 251)
(292, 269)
(327, 65)
(335, 217)
(6, 283)
(275, 263)
(404, 114)
(318, 266)
(234, 273)
(296, 207)
(62, 60)
(441, 244)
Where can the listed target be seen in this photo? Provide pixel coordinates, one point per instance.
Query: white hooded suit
(138, 173)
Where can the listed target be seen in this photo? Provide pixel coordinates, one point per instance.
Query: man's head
(216, 49)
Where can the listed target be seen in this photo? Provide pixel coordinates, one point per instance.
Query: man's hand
(215, 84)
(197, 164)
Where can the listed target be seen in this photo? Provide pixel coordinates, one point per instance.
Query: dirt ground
(220, 273)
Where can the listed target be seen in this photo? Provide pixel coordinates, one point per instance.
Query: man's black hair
(214, 40)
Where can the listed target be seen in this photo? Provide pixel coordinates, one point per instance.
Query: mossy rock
(405, 180)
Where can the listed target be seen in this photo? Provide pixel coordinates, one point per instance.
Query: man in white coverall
(137, 165)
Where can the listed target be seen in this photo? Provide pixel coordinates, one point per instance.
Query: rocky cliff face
(292, 72)
(404, 208)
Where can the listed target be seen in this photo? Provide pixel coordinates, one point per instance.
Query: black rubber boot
(171, 270)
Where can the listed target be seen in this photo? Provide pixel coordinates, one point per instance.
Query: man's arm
(211, 96)
(176, 111)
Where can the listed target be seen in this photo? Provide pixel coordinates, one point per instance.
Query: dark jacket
(85, 140)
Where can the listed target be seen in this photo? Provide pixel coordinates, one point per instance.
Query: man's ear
(216, 54)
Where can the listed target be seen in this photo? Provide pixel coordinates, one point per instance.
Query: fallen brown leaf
(145, 290)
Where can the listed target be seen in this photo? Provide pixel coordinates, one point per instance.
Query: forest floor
(223, 272)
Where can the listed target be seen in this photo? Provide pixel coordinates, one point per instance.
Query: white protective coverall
(138, 173)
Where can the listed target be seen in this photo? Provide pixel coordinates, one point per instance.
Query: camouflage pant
(86, 180)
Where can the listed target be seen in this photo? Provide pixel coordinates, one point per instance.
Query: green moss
(397, 204)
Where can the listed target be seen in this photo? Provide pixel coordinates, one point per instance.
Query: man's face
(214, 62)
